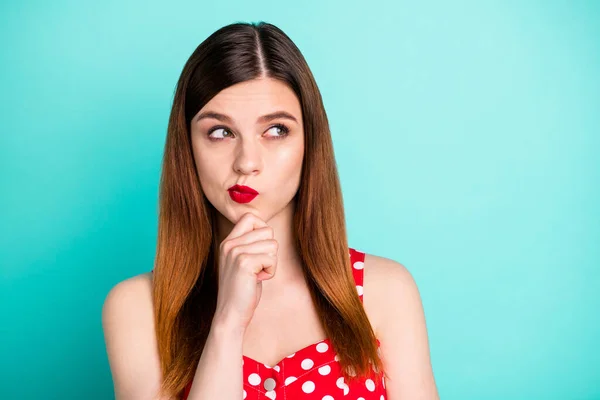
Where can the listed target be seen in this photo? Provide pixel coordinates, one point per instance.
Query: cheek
(202, 159)
(288, 166)
(208, 174)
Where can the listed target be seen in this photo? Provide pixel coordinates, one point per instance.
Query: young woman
(255, 293)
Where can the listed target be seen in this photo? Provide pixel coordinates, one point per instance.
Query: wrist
(224, 327)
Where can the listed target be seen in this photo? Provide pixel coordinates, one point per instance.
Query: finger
(256, 235)
(263, 276)
(268, 246)
(247, 223)
(255, 263)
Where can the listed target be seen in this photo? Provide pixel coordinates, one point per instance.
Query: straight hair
(185, 267)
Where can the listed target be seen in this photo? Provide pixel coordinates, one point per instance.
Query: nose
(248, 159)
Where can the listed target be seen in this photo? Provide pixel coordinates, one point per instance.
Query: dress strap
(357, 260)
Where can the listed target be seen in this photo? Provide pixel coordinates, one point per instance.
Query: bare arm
(219, 371)
(128, 324)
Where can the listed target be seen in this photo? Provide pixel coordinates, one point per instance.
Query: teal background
(466, 135)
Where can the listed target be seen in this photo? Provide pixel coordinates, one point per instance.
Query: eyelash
(284, 129)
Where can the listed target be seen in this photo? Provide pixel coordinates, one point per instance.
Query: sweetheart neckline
(290, 355)
(302, 350)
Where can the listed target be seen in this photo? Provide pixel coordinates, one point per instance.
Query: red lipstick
(242, 194)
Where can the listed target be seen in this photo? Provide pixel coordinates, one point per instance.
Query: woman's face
(250, 134)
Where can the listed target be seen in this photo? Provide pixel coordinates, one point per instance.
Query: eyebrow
(263, 119)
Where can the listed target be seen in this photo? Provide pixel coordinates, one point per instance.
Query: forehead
(255, 97)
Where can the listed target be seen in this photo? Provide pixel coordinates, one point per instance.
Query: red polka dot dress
(310, 373)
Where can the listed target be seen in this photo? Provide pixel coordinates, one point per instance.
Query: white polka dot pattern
(370, 385)
(307, 363)
(313, 372)
(290, 379)
(254, 379)
(325, 370)
(322, 347)
(359, 289)
(308, 387)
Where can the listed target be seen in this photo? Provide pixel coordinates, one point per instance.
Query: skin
(249, 154)
(255, 157)
(254, 154)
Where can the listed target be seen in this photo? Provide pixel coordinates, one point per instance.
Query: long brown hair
(185, 269)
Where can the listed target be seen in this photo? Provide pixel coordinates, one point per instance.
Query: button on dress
(312, 372)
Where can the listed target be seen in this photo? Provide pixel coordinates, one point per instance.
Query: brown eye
(217, 137)
(280, 130)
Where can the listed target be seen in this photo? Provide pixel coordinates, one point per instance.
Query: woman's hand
(247, 256)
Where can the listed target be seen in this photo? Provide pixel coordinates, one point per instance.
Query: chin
(235, 212)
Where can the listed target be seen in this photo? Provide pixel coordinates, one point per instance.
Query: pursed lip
(242, 189)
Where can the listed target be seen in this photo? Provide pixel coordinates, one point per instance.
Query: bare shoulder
(380, 269)
(392, 298)
(386, 282)
(132, 288)
(130, 298)
(128, 326)
(135, 289)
